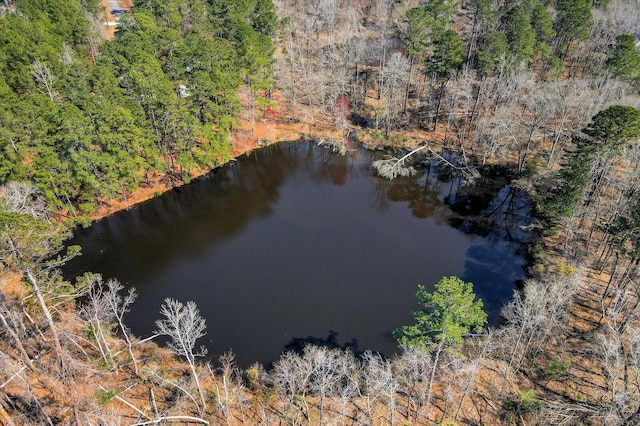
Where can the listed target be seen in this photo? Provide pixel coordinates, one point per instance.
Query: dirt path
(113, 10)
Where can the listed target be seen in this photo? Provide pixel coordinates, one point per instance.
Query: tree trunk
(43, 305)
(431, 379)
(408, 85)
(440, 96)
(5, 419)
(469, 122)
(15, 337)
(47, 314)
(523, 154)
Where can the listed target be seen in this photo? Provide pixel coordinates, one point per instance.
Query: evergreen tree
(625, 59)
(608, 131)
(446, 315)
(447, 56)
(88, 128)
(543, 27)
(573, 22)
(416, 35)
(614, 126)
(521, 37)
(493, 48)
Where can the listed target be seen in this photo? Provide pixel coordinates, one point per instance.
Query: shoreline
(281, 124)
(244, 141)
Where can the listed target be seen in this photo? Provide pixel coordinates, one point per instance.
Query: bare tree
(105, 306)
(27, 240)
(393, 80)
(533, 116)
(30, 407)
(97, 313)
(44, 78)
(412, 369)
(377, 384)
(184, 325)
(382, 17)
(569, 100)
(119, 306)
(230, 398)
(12, 323)
(290, 377)
(482, 348)
(24, 198)
(31, 278)
(347, 387)
(535, 316)
(619, 352)
(325, 372)
(390, 168)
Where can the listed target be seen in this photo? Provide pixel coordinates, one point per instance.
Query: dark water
(295, 241)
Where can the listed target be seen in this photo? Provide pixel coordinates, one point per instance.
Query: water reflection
(294, 240)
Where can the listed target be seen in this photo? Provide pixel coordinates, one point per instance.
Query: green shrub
(106, 395)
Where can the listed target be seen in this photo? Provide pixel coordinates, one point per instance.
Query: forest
(548, 89)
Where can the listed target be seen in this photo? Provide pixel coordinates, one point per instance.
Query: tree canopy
(614, 125)
(446, 315)
(607, 131)
(88, 119)
(625, 59)
(574, 19)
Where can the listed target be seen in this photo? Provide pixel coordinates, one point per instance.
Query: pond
(294, 241)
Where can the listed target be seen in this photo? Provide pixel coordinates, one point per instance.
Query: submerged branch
(390, 168)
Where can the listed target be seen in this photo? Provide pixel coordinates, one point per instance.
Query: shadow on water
(297, 344)
(191, 216)
(495, 210)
